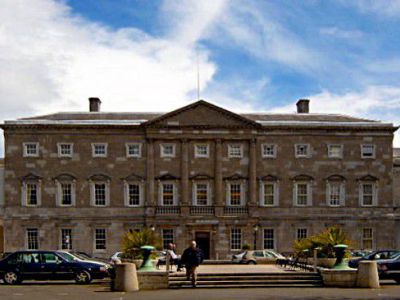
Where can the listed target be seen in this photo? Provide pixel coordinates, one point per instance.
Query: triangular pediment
(202, 114)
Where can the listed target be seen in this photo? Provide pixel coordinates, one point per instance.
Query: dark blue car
(49, 265)
(390, 268)
(376, 256)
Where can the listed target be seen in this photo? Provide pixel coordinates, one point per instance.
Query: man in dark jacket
(192, 257)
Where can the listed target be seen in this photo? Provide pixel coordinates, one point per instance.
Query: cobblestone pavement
(100, 291)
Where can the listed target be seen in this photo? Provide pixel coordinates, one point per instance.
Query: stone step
(243, 282)
(244, 278)
(229, 286)
(283, 274)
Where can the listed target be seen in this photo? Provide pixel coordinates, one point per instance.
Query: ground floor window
(269, 238)
(66, 239)
(301, 233)
(167, 237)
(100, 239)
(32, 238)
(367, 238)
(236, 239)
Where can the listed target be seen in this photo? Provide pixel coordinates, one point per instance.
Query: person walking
(192, 257)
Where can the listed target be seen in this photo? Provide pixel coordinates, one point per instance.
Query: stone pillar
(252, 173)
(185, 177)
(126, 279)
(150, 174)
(367, 275)
(218, 188)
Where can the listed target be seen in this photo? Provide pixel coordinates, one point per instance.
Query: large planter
(137, 262)
(323, 262)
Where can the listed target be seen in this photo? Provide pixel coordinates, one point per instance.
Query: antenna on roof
(198, 75)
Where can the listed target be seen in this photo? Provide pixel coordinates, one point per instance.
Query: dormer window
(367, 151)
(167, 150)
(235, 151)
(201, 150)
(268, 150)
(65, 149)
(31, 149)
(302, 150)
(99, 149)
(133, 150)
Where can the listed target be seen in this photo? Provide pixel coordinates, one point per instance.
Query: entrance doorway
(202, 239)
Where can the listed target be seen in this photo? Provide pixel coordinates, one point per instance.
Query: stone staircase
(247, 280)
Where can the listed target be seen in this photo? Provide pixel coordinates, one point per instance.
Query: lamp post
(255, 230)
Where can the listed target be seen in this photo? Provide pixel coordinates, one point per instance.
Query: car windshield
(395, 255)
(67, 256)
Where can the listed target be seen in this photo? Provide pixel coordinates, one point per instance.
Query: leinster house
(80, 180)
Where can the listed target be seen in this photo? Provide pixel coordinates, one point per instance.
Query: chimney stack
(94, 104)
(303, 106)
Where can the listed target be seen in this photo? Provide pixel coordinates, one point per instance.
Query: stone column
(218, 188)
(184, 174)
(150, 174)
(252, 173)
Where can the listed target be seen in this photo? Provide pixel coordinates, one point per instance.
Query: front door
(202, 239)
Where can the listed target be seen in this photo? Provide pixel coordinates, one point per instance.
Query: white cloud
(52, 60)
(375, 102)
(390, 8)
(341, 33)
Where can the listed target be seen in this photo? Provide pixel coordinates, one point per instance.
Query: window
(31, 194)
(268, 150)
(167, 194)
(133, 194)
(66, 193)
(99, 150)
(302, 150)
(368, 194)
(269, 238)
(201, 193)
(31, 149)
(236, 239)
(66, 239)
(335, 151)
(167, 150)
(65, 149)
(167, 237)
(235, 151)
(134, 150)
(100, 193)
(335, 193)
(100, 239)
(50, 258)
(367, 238)
(367, 151)
(201, 150)
(32, 239)
(301, 233)
(269, 194)
(235, 194)
(302, 193)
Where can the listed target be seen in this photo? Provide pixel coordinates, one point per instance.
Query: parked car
(116, 257)
(390, 268)
(84, 256)
(376, 255)
(49, 265)
(257, 256)
(359, 253)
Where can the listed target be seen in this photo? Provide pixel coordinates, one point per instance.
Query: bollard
(367, 275)
(126, 279)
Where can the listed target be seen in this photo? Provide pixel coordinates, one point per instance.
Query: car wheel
(11, 277)
(252, 262)
(83, 277)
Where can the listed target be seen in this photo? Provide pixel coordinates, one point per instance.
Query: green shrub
(133, 240)
(246, 247)
(325, 242)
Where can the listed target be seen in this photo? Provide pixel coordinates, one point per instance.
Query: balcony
(202, 210)
(168, 210)
(235, 210)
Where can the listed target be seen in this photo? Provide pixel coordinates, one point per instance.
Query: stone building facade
(80, 180)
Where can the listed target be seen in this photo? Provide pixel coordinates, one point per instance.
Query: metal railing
(235, 210)
(168, 210)
(202, 210)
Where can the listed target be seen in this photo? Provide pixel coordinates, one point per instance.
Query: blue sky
(252, 55)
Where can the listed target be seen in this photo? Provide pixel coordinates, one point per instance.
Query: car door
(31, 267)
(55, 267)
